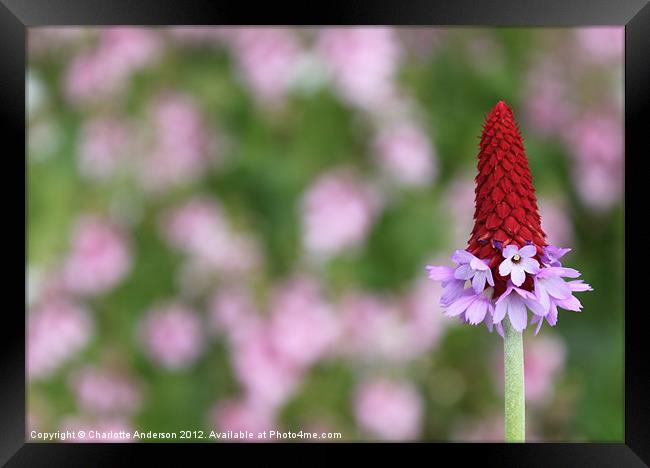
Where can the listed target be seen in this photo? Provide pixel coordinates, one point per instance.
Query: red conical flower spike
(507, 268)
(506, 208)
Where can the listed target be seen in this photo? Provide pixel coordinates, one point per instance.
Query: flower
(553, 292)
(472, 268)
(551, 255)
(267, 58)
(56, 330)
(452, 286)
(518, 262)
(405, 154)
(513, 303)
(338, 211)
(242, 416)
(172, 336)
(99, 257)
(388, 409)
(507, 243)
(362, 62)
(474, 306)
(100, 390)
(302, 326)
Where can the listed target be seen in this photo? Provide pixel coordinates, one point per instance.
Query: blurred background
(228, 228)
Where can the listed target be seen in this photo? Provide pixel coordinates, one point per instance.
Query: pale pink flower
(557, 221)
(388, 409)
(547, 107)
(242, 416)
(302, 325)
(544, 360)
(104, 70)
(597, 138)
(362, 62)
(99, 257)
(172, 336)
(375, 328)
(100, 390)
(97, 430)
(596, 142)
(424, 320)
(338, 211)
(182, 146)
(404, 153)
(199, 228)
(599, 186)
(56, 330)
(267, 378)
(601, 44)
(232, 310)
(103, 146)
(267, 58)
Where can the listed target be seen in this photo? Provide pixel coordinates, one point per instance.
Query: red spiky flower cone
(505, 204)
(507, 239)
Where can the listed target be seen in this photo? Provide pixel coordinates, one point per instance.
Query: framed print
(409, 225)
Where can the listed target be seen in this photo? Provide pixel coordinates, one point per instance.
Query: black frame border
(17, 15)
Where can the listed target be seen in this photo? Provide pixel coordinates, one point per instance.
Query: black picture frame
(17, 15)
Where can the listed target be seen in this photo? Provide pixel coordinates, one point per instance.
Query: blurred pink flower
(241, 416)
(302, 325)
(232, 310)
(557, 221)
(101, 390)
(544, 358)
(404, 152)
(424, 319)
(56, 330)
(362, 62)
(104, 70)
(596, 142)
(100, 430)
(389, 410)
(199, 228)
(267, 378)
(267, 59)
(338, 211)
(547, 107)
(172, 336)
(375, 328)
(102, 147)
(182, 148)
(599, 186)
(99, 257)
(601, 44)
(597, 138)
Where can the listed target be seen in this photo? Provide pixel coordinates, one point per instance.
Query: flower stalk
(515, 400)
(508, 268)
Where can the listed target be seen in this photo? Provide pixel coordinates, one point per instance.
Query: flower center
(516, 258)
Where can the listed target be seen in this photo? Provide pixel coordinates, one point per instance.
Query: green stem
(515, 400)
